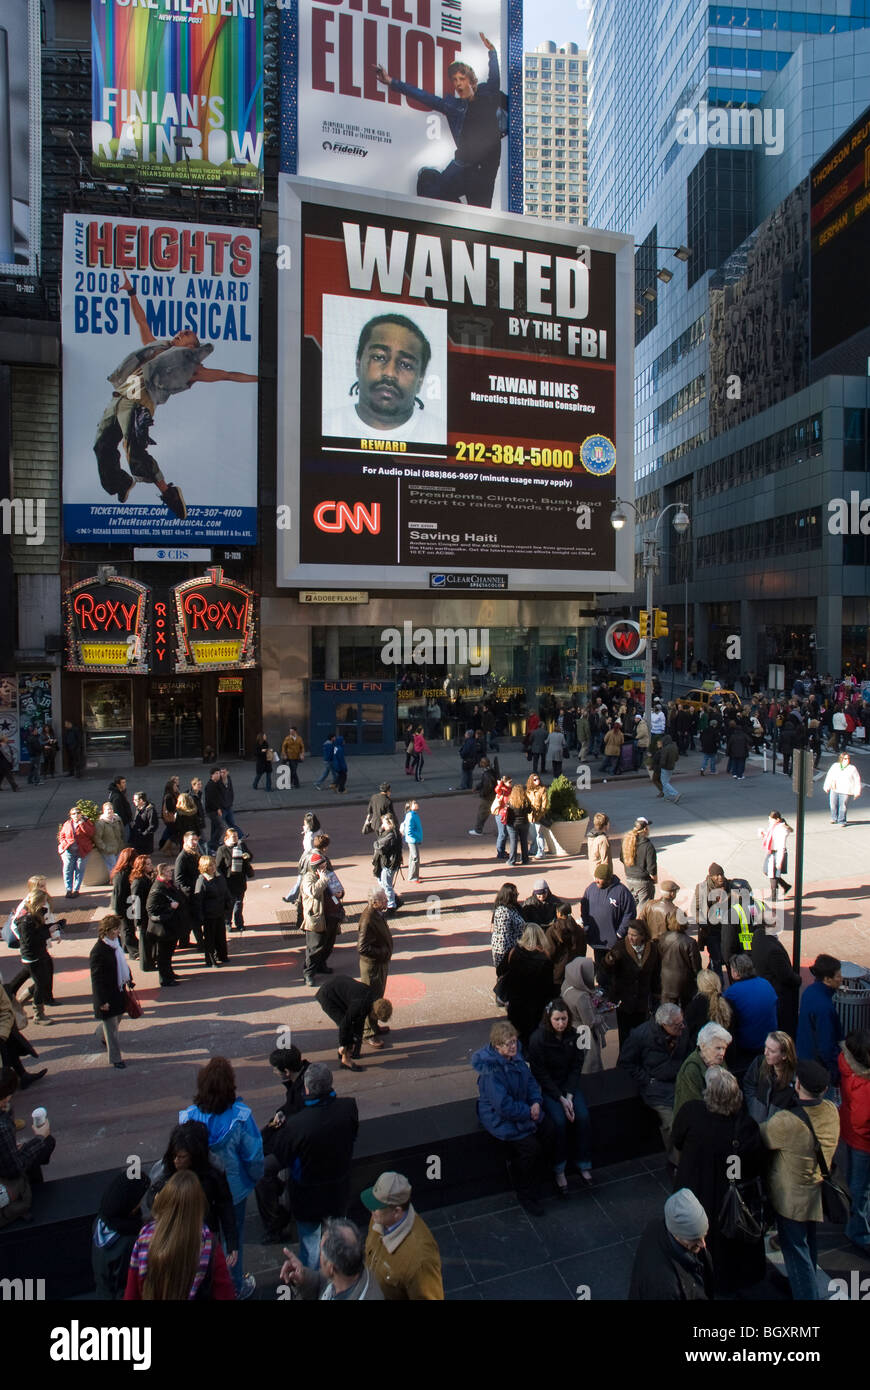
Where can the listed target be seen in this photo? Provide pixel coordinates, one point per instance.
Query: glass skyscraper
(667, 81)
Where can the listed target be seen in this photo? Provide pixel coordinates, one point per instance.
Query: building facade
(710, 146)
(555, 145)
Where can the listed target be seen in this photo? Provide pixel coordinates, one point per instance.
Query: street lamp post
(650, 566)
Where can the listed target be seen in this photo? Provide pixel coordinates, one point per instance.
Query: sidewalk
(49, 803)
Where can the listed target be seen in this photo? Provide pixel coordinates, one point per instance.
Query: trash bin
(626, 757)
(852, 1001)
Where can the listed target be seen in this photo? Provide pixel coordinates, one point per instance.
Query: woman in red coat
(75, 840)
(854, 1064)
(176, 1257)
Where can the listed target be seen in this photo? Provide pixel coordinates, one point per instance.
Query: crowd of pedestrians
(724, 1054)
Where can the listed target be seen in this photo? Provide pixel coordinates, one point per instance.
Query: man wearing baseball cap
(541, 907)
(801, 1139)
(401, 1251)
(671, 1263)
(661, 914)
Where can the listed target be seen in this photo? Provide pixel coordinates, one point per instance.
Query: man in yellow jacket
(795, 1180)
(401, 1251)
(292, 752)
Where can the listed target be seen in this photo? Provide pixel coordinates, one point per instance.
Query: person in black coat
(114, 1235)
(212, 904)
(143, 826)
(772, 963)
(141, 881)
(264, 763)
(120, 805)
(671, 1263)
(316, 1146)
(188, 1149)
(289, 1066)
(556, 1062)
(632, 966)
(119, 902)
(380, 805)
(34, 934)
(709, 1133)
(164, 904)
(387, 858)
(185, 876)
(196, 794)
(348, 1003)
(110, 980)
(233, 862)
(527, 982)
(541, 907)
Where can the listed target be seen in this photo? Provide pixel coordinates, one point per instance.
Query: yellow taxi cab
(701, 699)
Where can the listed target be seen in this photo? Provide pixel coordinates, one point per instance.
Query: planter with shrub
(567, 834)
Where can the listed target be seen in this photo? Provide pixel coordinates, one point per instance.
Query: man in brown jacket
(795, 1179)
(661, 914)
(401, 1251)
(315, 885)
(375, 947)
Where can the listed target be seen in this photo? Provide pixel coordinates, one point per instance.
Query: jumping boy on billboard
(477, 116)
(145, 379)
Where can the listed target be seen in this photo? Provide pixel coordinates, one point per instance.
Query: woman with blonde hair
(518, 809)
(527, 981)
(34, 934)
(212, 904)
(176, 1257)
(708, 1006)
(641, 866)
(539, 800)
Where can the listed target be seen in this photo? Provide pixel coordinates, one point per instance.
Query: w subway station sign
(623, 640)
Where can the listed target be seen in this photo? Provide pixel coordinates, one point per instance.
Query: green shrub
(563, 800)
(89, 809)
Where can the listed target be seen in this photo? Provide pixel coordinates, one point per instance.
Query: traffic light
(660, 624)
(643, 620)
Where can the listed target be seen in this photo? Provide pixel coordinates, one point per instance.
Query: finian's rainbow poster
(177, 91)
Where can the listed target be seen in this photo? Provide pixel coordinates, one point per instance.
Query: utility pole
(802, 770)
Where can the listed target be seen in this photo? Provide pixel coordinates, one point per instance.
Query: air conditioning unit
(53, 643)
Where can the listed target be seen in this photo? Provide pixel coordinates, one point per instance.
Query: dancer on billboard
(145, 379)
(477, 116)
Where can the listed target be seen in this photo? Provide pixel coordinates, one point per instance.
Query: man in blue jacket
(476, 115)
(327, 753)
(819, 1027)
(606, 908)
(753, 1003)
(509, 1108)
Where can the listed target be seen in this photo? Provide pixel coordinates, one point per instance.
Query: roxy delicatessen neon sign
(214, 620)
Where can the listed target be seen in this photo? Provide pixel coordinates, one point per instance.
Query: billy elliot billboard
(177, 91)
(407, 96)
(453, 395)
(159, 329)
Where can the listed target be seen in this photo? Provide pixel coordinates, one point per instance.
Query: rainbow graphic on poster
(177, 91)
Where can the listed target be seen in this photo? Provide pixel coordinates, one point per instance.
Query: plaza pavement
(441, 976)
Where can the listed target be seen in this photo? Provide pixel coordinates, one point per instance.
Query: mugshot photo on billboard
(20, 146)
(384, 373)
(159, 327)
(538, 397)
(410, 98)
(177, 91)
